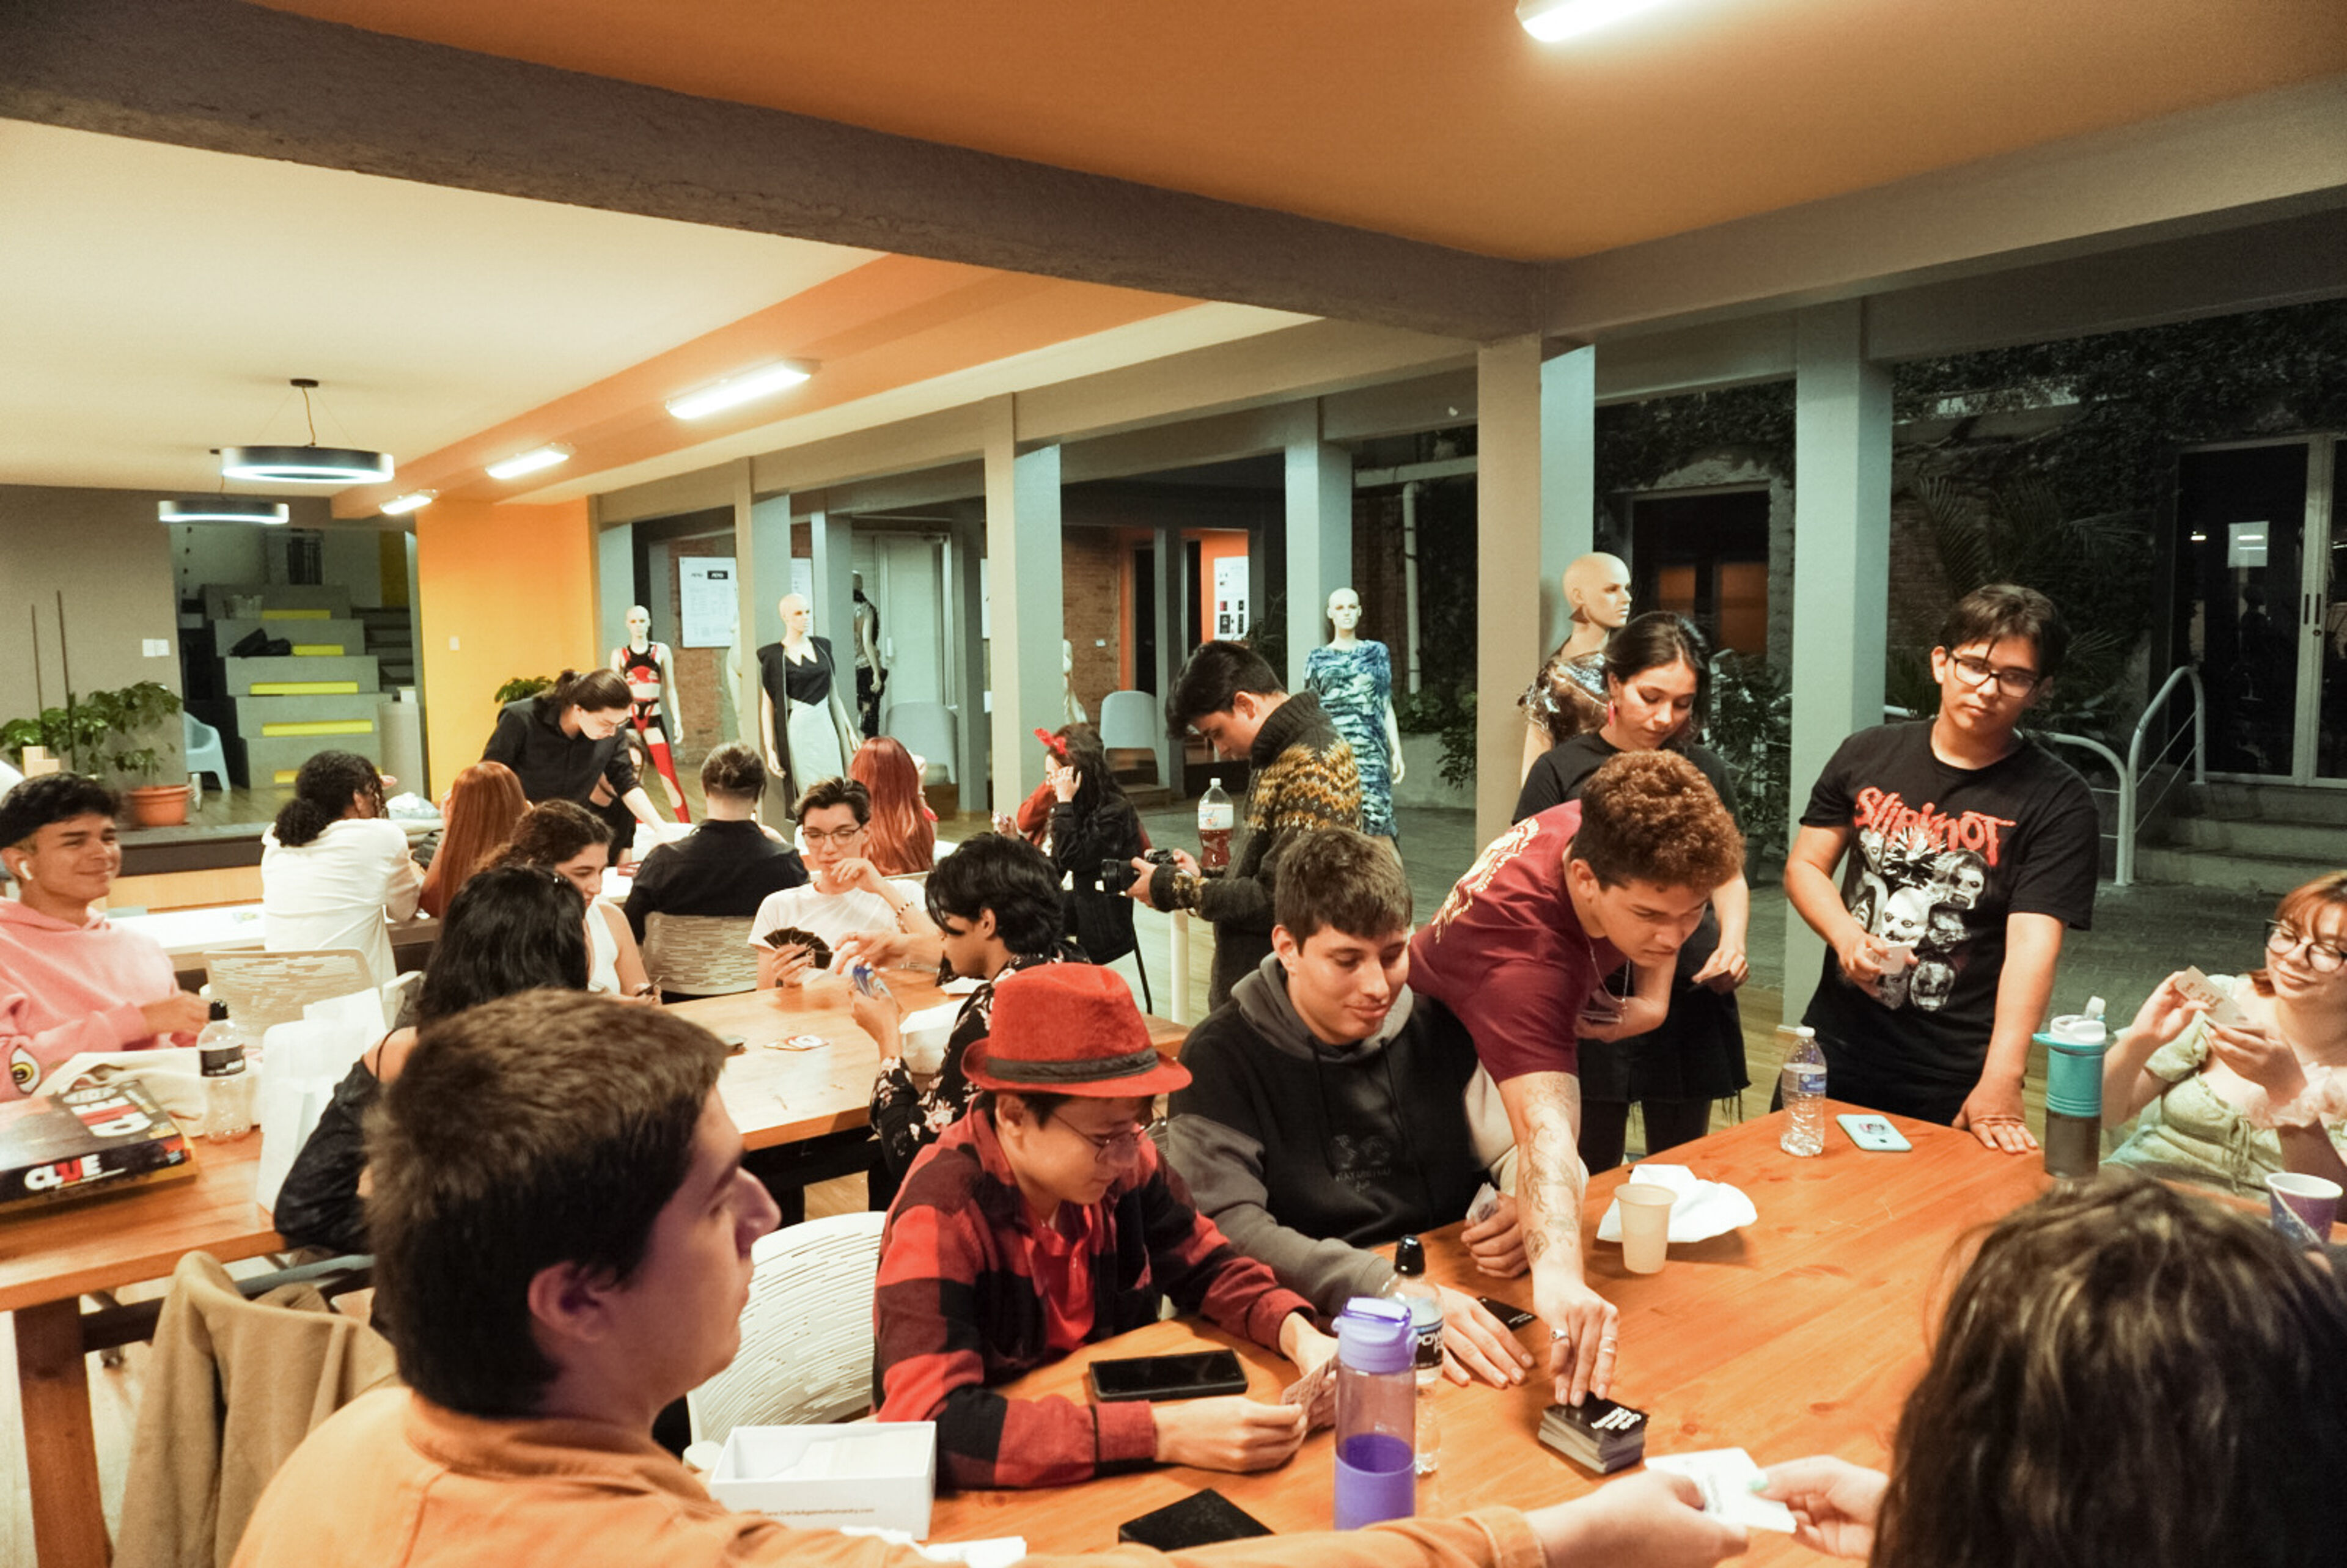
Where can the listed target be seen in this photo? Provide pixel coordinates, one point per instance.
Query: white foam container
(882, 1475)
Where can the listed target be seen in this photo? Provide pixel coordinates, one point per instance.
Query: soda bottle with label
(1216, 815)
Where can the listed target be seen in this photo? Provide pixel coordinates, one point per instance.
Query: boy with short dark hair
(1966, 837)
(1302, 777)
(1330, 1109)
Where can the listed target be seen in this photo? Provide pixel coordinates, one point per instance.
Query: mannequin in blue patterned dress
(1354, 680)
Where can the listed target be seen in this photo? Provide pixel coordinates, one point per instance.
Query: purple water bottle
(1377, 1396)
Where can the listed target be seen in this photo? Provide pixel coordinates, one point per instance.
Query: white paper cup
(1646, 1225)
(2303, 1207)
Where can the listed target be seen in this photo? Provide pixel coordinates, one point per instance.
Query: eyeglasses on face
(842, 836)
(2283, 938)
(2012, 680)
(1114, 1148)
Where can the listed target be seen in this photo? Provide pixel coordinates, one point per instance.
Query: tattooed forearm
(1545, 1108)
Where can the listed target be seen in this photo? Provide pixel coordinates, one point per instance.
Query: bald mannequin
(1597, 593)
(832, 737)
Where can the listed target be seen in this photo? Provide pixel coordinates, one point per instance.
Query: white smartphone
(1874, 1134)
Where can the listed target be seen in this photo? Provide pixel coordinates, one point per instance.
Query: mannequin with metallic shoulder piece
(650, 670)
(1567, 698)
(1353, 679)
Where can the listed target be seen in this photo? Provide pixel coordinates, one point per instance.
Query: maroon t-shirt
(1506, 952)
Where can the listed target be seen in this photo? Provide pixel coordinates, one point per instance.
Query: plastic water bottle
(1216, 817)
(1377, 1397)
(1802, 1081)
(2074, 1044)
(229, 1088)
(1415, 1291)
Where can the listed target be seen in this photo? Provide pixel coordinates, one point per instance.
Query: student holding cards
(1330, 1111)
(1520, 951)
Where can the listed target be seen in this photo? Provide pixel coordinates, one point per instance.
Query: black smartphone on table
(1197, 1376)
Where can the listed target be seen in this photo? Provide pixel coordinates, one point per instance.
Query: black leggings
(1604, 1128)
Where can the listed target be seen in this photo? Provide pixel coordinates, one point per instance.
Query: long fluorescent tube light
(399, 506)
(1553, 20)
(529, 462)
(224, 509)
(739, 389)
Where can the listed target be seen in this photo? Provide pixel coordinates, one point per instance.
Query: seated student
(476, 816)
(1326, 1108)
(997, 908)
(2230, 1104)
(512, 929)
(1520, 951)
(1090, 821)
(2127, 1376)
(570, 841)
(562, 1233)
(845, 891)
(332, 868)
(904, 831)
(726, 866)
(69, 981)
(1044, 1220)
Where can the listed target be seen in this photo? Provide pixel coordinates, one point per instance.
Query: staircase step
(2271, 802)
(2268, 874)
(2306, 843)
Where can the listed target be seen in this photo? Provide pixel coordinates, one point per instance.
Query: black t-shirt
(721, 867)
(1559, 773)
(1939, 856)
(553, 766)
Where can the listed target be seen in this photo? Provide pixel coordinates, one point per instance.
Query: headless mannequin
(656, 709)
(1597, 595)
(1075, 710)
(871, 675)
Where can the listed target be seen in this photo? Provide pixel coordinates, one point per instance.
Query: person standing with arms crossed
(1963, 814)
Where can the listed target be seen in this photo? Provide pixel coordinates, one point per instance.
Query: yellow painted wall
(515, 588)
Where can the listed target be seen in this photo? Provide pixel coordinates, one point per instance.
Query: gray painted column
(1173, 607)
(614, 630)
(1841, 568)
(1568, 480)
(1319, 541)
(1507, 597)
(967, 673)
(765, 568)
(834, 591)
(615, 584)
(1027, 616)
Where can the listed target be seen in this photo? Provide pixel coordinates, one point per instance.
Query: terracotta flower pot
(159, 806)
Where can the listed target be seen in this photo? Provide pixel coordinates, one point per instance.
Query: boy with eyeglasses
(1984, 826)
(845, 892)
(1044, 1220)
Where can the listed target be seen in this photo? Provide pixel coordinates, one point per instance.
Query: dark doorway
(1193, 565)
(1144, 620)
(2240, 519)
(1707, 558)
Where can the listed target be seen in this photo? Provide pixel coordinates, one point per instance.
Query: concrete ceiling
(1438, 119)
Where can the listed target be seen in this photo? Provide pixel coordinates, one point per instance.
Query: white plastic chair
(806, 1333)
(263, 989)
(201, 743)
(701, 955)
(927, 730)
(1129, 721)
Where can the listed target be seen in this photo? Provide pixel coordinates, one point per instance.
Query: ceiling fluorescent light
(514, 467)
(739, 389)
(224, 509)
(1551, 21)
(399, 506)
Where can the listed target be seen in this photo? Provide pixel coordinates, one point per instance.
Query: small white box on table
(881, 1475)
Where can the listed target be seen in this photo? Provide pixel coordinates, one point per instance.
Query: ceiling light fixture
(1553, 20)
(529, 462)
(224, 509)
(400, 505)
(739, 389)
(310, 464)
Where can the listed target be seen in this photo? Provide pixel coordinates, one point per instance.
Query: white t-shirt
(336, 890)
(830, 916)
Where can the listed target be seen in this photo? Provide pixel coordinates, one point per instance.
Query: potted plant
(62, 733)
(131, 717)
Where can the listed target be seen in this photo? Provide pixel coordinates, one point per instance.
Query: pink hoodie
(64, 990)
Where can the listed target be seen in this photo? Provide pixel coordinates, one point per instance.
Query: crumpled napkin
(1704, 1209)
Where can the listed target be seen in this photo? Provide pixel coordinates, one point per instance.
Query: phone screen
(1169, 1377)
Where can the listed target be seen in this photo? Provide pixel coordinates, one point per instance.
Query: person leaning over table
(1520, 951)
(1330, 1110)
(1045, 1220)
(564, 742)
(562, 1233)
(72, 981)
(2127, 1376)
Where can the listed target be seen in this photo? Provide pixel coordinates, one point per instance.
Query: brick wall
(1092, 563)
(699, 670)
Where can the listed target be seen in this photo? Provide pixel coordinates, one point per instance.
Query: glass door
(2326, 630)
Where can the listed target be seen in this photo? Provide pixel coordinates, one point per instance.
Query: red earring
(1609, 713)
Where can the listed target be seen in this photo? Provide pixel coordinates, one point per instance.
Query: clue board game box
(98, 1138)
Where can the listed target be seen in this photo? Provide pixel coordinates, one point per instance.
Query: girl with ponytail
(332, 869)
(564, 743)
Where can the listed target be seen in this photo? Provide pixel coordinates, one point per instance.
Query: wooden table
(49, 1258)
(1801, 1333)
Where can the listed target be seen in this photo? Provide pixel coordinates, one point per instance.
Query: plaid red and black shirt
(959, 1309)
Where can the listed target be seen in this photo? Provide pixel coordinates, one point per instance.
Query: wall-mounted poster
(1231, 597)
(713, 607)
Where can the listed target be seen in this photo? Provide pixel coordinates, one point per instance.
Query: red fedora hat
(1068, 1029)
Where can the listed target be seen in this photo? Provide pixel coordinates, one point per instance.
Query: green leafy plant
(1751, 728)
(521, 686)
(101, 732)
(64, 732)
(1450, 712)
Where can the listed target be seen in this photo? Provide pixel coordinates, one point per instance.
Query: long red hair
(904, 841)
(479, 815)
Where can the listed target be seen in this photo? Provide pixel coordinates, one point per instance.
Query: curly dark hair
(52, 797)
(1652, 817)
(551, 832)
(322, 791)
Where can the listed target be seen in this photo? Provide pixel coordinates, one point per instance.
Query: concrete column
(1841, 568)
(1319, 541)
(1507, 535)
(1173, 607)
(1568, 417)
(834, 591)
(742, 661)
(1028, 619)
(615, 580)
(966, 674)
(766, 574)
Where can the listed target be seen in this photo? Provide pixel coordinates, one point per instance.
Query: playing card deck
(1596, 1434)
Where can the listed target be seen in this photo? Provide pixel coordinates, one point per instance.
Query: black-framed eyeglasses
(842, 836)
(1114, 1148)
(2010, 681)
(2283, 938)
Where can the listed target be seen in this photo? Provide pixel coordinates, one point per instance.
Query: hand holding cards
(1316, 1394)
(2213, 999)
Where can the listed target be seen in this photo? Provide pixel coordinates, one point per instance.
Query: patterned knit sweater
(1304, 778)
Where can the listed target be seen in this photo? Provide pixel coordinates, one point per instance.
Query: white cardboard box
(880, 1474)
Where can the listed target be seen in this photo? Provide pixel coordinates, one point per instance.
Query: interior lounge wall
(113, 562)
(514, 589)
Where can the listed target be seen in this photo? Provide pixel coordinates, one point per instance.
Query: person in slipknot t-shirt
(1966, 850)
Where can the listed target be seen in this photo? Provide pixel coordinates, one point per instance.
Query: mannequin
(650, 670)
(1568, 697)
(1353, 678)
(871, 675)
(1074, 710)
(811, 737)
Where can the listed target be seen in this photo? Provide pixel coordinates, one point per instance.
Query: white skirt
(815, 745)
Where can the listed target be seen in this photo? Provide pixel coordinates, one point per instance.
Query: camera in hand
(1117, 876)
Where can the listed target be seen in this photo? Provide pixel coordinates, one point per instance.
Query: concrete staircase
(2248, 838)
(391, 642)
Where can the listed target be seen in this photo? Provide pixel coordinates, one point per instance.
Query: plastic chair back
(205, 752)
(806, 1334)
(1129, 721)
(701, 955)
